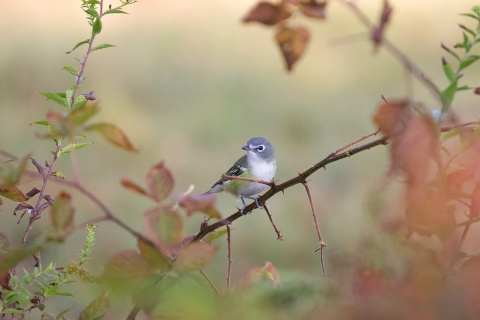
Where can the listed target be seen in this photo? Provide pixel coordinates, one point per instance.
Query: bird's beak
(246, 148)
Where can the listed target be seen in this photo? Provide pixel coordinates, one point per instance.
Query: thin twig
(133, 314)
(276, 188)
(229, 256)
(317, 227)
(246, 179)
(209, 282)
(279, 235)
(356, 141)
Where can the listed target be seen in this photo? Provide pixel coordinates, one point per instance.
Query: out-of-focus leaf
(160, 182)
(477, 90)
(204, 203)
(80, 101)
(314, 9)
(468, 61)
(268, 271)
(154, 257)
(110, 11)
(79, 116)
(113, 134)
(164, 227)
(96, 309)
(97, 26)
(451, 52)
(134, 187)
(292, 42)
(268, 14)
(5, 276)
(69, 94)
(388, 115)
(13, 193)
(54, 97)
(78, 45)
(102, 46)
(127, 271)
(41, 122)
(70, 147)
(91, 12)
(61, 216)
(195, 256)
(71, 70)
(212, 236)
(10, 175)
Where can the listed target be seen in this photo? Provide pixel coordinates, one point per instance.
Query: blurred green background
(190, 84)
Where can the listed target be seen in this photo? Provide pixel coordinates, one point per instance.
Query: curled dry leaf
(314, 9)
(160, 182)
(268, 271)
(134, 187)
(292, 42)
(204, 203)
(267, 13)
(164, 227)
(13, 193)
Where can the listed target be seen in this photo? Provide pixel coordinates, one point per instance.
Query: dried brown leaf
(13, 193)
(314, 9)
(113, 134)
(267, 13)
(389, 116)
(134, 187)
(292, 42)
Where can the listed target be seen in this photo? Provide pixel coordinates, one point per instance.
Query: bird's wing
(236, 170)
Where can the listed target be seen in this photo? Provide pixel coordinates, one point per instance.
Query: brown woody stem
(279, 235)
(229, 255)
(247, 179)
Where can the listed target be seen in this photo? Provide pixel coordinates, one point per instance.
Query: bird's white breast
(261, 170)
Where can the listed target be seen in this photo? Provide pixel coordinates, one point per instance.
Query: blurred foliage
(191, 92)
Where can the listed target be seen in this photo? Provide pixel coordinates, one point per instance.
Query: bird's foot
(244, 204)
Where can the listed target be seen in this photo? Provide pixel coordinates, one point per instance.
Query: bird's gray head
(260, 147)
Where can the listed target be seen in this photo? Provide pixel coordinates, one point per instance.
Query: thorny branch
(229, 255)
(303, 176)
(279, 235)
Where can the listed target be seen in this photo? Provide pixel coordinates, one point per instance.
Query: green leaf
(41, 122)
(468, 61)
(447, 96)
(78, 45)
(462, 88)
(80, 101)
(110, 11)
(113, 134)
(55, 97)
(61, 94)
(63, 293)
(465, 40)
(71, 70)
(469, 15)
(69, 94)
(97, 26)
(444, 47)
(79, 116)
(72, 146)
(102, 46)
(164, 227)
(12, 311)
(92, 12)
(447, 69)
(212, 236)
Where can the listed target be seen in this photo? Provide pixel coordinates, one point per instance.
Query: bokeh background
(190, 84)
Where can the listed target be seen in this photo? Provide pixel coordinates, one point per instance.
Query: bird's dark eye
(261, 148)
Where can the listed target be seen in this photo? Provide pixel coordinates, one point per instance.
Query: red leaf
(292, 42)
(268, 271)
(13, 193)
(113, 134)
(477, 90)
(134, 187)
(61, 216)
(195, 256)
(268, 14)
(314, 9)
(160, 182)
(164, 227)
(200, 203)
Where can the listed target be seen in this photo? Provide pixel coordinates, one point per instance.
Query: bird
(259, 163)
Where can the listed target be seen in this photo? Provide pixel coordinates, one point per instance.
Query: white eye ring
(260, 148)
